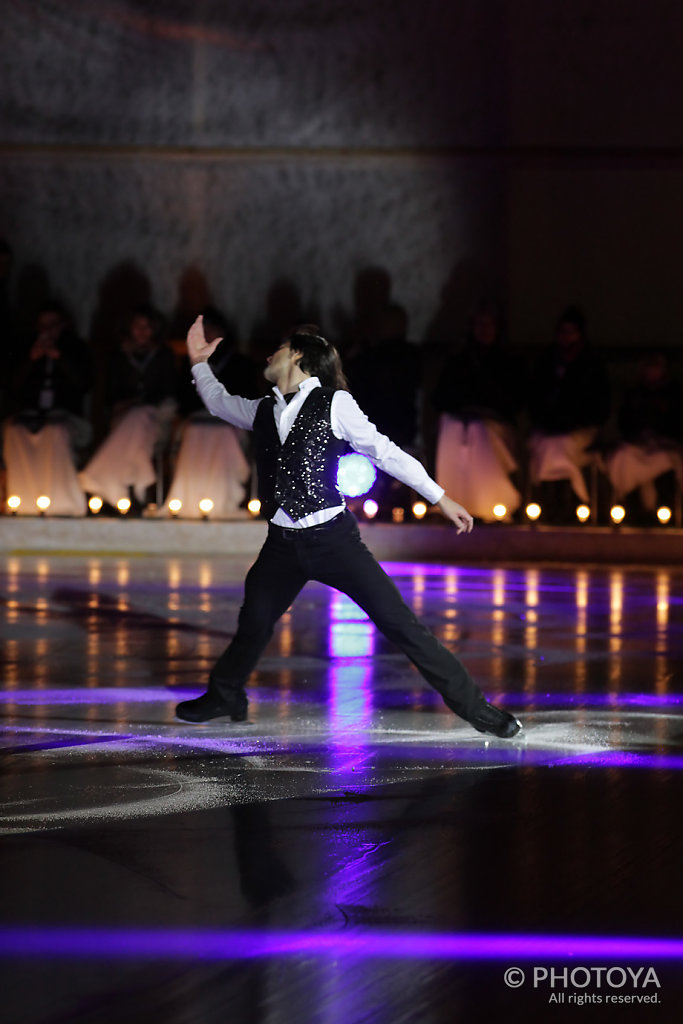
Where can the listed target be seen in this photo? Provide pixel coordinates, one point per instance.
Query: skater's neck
(288, 382)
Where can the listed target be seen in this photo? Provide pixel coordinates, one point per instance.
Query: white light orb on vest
(583, 513)
(13, 502)
(664, 514)
(500, 511)
(205, 506)
(419, 510)
(370, 508)
(43, 502)
(254, 506)
(533, 511)
(95, 504)
(617, 513)
(123, 505)
(174, 506)
(356, 475)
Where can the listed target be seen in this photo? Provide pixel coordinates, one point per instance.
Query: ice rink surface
(353, 852)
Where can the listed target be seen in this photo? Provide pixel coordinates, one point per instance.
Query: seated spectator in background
(40, 441)
(479, 396)
(651, 430)
(141, 396)
(568, 403)
(212, 460)
(384, 378)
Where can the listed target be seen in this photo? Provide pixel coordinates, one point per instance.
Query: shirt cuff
(202, 371)
(433, 492)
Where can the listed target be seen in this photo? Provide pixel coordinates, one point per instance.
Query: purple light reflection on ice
(348, 642)
(127, 943)
(353, 643)
(473, 579)
(511, 754)
(57, 744)
(351, 701)
(352, 756)
(436, 569)
(96, 695)
(354, 745)
(612, 700)
(127, 695)
(623, 759)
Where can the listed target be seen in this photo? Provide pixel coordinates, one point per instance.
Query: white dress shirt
(349, 423)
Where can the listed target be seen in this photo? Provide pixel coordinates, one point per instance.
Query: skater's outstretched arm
(350, 423)
(231, 408)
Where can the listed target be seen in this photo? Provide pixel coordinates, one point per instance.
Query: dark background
(281, 153)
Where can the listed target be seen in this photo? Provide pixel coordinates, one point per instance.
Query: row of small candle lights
(533, 512)
(583, 513)
(123, 505)
(370, 509)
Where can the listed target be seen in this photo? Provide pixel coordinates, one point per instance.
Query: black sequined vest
(300, 475)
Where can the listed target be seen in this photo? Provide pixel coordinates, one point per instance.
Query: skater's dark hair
(319, 356)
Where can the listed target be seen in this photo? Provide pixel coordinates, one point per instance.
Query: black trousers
(334, 554)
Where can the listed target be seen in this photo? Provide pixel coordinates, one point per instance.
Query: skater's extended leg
(358, 574)
(272, 583)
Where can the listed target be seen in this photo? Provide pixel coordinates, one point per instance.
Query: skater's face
(280, 363)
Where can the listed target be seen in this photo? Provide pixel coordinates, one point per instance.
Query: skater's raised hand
(198, 348)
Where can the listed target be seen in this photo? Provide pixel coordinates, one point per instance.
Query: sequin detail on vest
(300, 475)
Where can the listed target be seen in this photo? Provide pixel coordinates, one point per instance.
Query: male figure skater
(299, 436)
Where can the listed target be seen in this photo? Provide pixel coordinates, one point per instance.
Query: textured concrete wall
(249, 222)
(254, 72)
(192, 137)
(281, 147)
